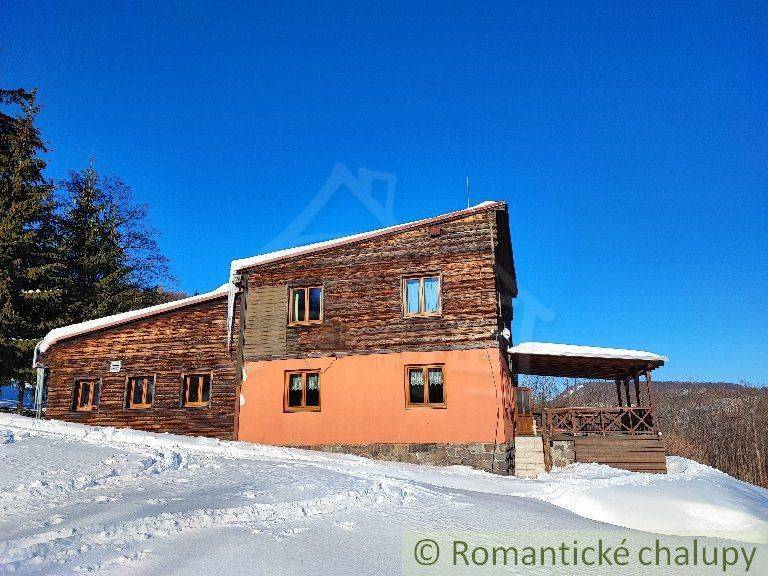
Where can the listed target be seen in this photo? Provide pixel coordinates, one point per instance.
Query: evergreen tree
(29, 295)
(111, 259)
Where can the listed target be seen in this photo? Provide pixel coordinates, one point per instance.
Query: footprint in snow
(7, 437)
(250, 494)
(102, 499)
(162, 500)
(290, 532)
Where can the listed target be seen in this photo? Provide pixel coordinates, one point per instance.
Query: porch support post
(626, 389)
(618, 391)
(636, 380)
(650, 398)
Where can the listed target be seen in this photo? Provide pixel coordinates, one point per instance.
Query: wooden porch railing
(595, 421)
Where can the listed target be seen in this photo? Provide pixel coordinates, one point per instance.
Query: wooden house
(166, 368)
(392, 344)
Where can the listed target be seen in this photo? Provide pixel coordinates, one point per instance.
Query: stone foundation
(496, 458)
(562, 453)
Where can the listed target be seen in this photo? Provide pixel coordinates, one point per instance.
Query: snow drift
(83, 499)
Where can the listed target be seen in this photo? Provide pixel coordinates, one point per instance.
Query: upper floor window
(306, 305)
(421, 296)
(302, 390)
(425, 386)
(85, 394)
(140, 392)
(196, 390)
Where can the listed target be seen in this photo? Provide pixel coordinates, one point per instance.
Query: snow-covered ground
(80, 499)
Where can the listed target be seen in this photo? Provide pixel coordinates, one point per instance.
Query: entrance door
(523, 412)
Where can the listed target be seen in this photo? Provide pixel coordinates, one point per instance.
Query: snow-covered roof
(571, 350)
(267, 257)
(65, 332)
(309, 248)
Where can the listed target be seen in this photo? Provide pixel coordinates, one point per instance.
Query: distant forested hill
(717, 423)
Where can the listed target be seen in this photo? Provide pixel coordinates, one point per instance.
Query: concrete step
(529, 456)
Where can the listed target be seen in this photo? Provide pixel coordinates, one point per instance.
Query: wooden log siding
(362, 292)
(189, 339)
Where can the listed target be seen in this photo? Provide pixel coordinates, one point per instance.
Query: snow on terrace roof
(309, 248)
(569, 361)
(548, 349)
(73, 330)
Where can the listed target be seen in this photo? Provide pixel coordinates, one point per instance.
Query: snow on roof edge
(573, 350)
(65, 332)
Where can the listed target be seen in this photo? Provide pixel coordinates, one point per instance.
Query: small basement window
(85, 394)
(421, 296)
(425, 386)
(140, 391)
(302, 391)
(196, 390)
(306, 306)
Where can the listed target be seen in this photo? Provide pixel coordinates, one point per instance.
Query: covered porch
(624, 435)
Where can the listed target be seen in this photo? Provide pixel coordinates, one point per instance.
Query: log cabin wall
(362, 292)
(185, 340)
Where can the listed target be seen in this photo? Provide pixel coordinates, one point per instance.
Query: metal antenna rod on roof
(467, 191)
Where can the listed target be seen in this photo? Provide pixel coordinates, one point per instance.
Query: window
(85, 394)
(306, 305)
(140, 390)
(421, 296)
(425, 386)
(196, 390)
(302, 391)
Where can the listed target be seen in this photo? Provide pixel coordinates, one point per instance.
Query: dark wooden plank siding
(189, 339)
(362, 291)
(636, 453)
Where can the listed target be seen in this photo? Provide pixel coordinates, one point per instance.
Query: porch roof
(570, 361)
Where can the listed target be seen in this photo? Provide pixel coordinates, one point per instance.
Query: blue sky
(630, 143)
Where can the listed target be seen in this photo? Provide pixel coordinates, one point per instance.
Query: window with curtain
(425, 386)
(196, 390)
(421, 296)
(302, 391)
(306, 305)
(140, 392)
(85, 394)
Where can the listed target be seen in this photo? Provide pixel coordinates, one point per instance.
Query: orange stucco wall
(362, 401)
